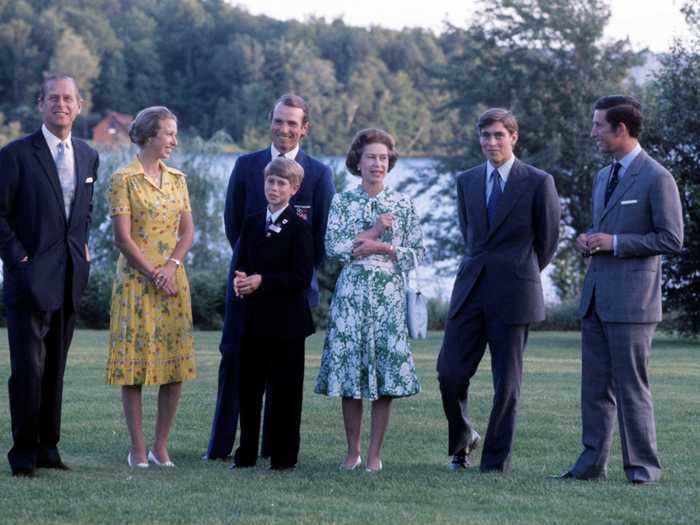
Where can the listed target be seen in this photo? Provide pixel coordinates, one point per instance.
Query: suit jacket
(278, 308)
(645, 213)
(510, 254)
(33, 223)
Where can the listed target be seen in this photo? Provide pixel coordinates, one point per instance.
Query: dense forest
(220, 68)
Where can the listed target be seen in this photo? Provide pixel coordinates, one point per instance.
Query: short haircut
(293, 101)
(502, 115)
(621, 109)
(369, 136)
(147, 123)
(44, 89)
(287, 169)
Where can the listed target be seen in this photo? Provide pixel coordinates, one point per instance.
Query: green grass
(414, 487)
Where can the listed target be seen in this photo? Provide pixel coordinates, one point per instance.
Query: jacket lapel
(80, 163)
(517, 180)
(43, 155)
(477, 192)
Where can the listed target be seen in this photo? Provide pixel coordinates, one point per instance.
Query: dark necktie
(495, 196)
(612, 181)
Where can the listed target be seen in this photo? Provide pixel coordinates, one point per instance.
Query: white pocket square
(625, 203)
(90, 180)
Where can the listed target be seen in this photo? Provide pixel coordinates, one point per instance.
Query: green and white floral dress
(366, 353)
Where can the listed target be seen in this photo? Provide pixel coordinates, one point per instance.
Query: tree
(673, 137)
(546, 60)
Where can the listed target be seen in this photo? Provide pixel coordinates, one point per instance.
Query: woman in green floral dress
(374, 231)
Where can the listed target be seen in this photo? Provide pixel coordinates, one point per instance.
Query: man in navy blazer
(289, 123)
(509, 216)
(46, 187)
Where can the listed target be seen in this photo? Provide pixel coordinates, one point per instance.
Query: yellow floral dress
(150, 332)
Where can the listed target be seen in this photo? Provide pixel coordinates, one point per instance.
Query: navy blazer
(33, 223)
(283, 258)
(513, 250)
(246, 196)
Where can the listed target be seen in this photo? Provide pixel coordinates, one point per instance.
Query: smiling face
(287, 127)
(60, 106)
(164, 142)
(374, 164)
(497, 143)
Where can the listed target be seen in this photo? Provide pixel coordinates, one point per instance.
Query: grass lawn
(415, 486)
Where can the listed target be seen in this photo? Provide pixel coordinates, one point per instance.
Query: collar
(503, 170)
(276, 215)
(627, 160)
(291, 155)
(53, 141)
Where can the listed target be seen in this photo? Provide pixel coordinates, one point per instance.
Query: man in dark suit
(637, 217)
(274, 267)
(289, 123)
(509, 216)
(46, 187)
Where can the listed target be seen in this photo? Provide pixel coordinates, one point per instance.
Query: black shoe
(23, 472)
(459, 461)
(568, 475)
(283, 467)
(59, 465)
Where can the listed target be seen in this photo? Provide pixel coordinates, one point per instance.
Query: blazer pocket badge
(303, 211)
(89, 180)
(627, 203)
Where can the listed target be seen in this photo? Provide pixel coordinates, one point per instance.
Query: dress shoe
(59, 465)
(153, 459)
(206, 457)
(357, 463)
(459, 461)
(23, 472)
(136, 465)
(375, 470)
(283, 467)
(567, 474)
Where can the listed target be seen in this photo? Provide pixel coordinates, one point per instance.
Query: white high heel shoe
(153, 459)
(132, 464)
(357, 463)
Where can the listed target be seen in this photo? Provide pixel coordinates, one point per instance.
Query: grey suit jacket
(645, 213)
(514, 249)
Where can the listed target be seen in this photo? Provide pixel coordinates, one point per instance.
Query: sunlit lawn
(415, 486)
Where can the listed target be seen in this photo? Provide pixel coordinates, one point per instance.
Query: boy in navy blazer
(274, 268)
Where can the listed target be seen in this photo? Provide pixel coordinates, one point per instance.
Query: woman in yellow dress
(151, 316)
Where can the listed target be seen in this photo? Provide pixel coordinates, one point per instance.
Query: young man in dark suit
(509, 216)
(46, 187)
(289, 123)
(274, 268)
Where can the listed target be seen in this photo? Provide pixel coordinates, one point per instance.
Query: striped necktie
(612, 182)
(65, 176)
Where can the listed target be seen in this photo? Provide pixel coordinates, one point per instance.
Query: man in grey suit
(637, 217)
(509, 216)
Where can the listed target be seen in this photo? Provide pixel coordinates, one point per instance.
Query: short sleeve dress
(366, 354)
(150, 332)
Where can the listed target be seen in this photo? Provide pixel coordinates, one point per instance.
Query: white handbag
(416, 306)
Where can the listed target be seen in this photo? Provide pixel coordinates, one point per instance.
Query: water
(430, 284)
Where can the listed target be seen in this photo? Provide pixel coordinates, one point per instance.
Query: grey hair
(147, 123)
(53, 78)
